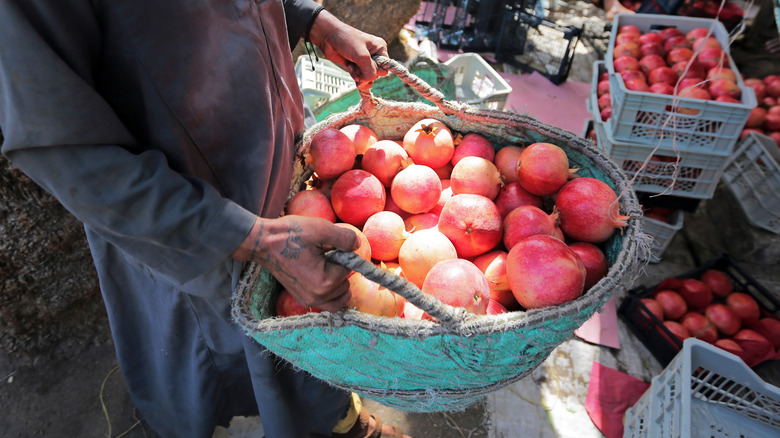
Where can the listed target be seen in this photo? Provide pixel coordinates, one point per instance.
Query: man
(168, 129)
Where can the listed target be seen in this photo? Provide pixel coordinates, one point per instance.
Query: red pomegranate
(472, 223)
(543, 168)
(588, 210)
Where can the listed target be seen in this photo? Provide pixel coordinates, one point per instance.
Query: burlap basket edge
(425, 366)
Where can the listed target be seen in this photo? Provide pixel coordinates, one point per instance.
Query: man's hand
(292, 248)
(348, 47)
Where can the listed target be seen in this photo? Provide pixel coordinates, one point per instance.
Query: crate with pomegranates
(752, 174)
(719, 302)
(464, 281)
(673, 84)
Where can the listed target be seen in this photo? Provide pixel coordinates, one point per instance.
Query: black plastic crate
(651, 331)
(466, 25)
(531, 43)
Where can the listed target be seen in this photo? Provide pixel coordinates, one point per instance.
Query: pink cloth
(610, 394)
(601, 328)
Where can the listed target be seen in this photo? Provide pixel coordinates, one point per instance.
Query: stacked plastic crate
(674, 148)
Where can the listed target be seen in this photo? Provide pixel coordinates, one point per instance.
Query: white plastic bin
(477, 83)
(327, 79)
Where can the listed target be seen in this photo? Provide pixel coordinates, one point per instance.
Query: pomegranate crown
(428, 129)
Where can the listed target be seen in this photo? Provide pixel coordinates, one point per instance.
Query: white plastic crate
(753, 175)
(327, 79)
(705, 392)
(477, 83)
(670, 122)
(695, 175)
(662, 233)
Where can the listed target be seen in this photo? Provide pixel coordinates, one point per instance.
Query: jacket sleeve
(62, 134)
(298, 13)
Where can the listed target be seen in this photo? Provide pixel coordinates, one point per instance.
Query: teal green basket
(426, 366)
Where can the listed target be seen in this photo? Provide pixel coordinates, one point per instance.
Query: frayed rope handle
(419, 85)
(446, 314)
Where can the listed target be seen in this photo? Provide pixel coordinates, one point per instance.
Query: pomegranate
(710, 57)
(652, 48)
(602, 88)
(629, 28)
(493, 265)
(731, 346)
(649, 63)
(678, 330)
(695, 93)
(662, 74)
(676, 43)
(588, 210)
(386, 233)
(477, 176)
(688, 70)
(758, 87)
(696, 33)
(472, 223)
(527, 221)
(756, 118)
(543, 168)
(368, 297)
(421, 251)
(312, 203)
(459, 283)
(356, 195)
(630, 75)
(653, 308)
(626, 37)
(286, 305)
(429, 142)
(770, 327)
(364, 249)
(700, 327)
(512, 196)
(390, 205)
(637, 85)
(672, 304)
(331, 153)
(629, 48)
(723, 318)
(596, 264)
(650, 37)
(362, 137)
(724, 87)
(695, 293)
(721, 73)
(473, 145)
(622, 63)
(678, 54)
(446, 194)
(604, 101)
(384, 159)
(506, 162)
(416, 189)
(706, 43)
(543, 271)
(669, 32)
(495, 308)
(756, 347)
(744, 306)
(422, 221)
(662, 88)
(444, 171)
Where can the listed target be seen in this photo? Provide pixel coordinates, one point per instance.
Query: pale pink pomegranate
(527, 221)
(596, 264)
(472, 223)
(384, 159)
(459, 283)
(386, 233)
(473, 145)
(416, 189)
(356, 195)
(493, 265)
(422, 221)
(444, 171)
(312, 203)
(364, 249)
(476, 175)
(588, 210)
(421, 251)
(543, 168)
(512, 196)
(369, 297)
(506, 162)
(446, 194)
(429, 142)
(543, 271)
(362, 137)
(331, 153)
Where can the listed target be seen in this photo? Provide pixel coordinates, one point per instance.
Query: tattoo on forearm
(293, 244)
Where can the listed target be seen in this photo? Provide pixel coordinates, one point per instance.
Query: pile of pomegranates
(689, 64)
(487, 227)
(707, 306)
(765, 117)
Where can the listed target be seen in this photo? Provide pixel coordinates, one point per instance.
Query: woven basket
(425, 366)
